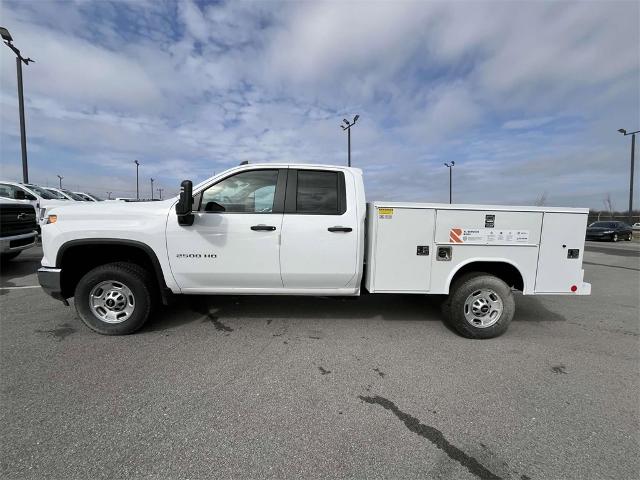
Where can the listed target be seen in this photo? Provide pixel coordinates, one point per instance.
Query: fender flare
(470, 261)
(165, 292)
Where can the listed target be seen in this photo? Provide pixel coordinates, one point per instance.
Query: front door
(319, 231)
(234, 242)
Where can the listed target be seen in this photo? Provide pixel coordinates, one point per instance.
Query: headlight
(608, 231)
(52, 219)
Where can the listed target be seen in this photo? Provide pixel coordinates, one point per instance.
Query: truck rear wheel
(480, 306)
(115, 299)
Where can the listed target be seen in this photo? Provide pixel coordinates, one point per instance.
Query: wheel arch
(99, 251)
(506, 270)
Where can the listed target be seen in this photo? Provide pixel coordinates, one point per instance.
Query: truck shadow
(21, 266)
(387, 307)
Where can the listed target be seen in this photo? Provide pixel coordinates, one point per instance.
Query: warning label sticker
(385, 212)
(487, 235)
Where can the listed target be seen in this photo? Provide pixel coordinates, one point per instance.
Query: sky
(525, 97)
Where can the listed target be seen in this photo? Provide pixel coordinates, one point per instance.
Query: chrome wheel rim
(483, 308)
(112, 302)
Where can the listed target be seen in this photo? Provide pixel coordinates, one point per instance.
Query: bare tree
(542, 199)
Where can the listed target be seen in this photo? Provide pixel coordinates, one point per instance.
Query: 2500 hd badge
(196, 255)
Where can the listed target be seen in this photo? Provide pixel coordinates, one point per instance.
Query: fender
(165, 292)
(453, 273)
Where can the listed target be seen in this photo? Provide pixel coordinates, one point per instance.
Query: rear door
(319, 246)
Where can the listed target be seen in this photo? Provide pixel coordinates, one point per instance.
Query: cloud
(525, 123)
(524, 97)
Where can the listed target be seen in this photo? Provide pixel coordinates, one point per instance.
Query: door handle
(339, 229)
(263, 228)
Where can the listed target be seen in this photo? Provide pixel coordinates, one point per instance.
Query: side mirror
(20, 195)
(184, 206)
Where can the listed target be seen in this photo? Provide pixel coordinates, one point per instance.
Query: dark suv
(611, 230)
(17, 228)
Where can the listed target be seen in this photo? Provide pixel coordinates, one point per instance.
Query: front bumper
(599, 236)
(17, 243)
(49, 279)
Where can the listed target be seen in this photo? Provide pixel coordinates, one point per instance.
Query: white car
(298, 229)
(89, 197)
(40, 198)
(66, 194)
(636, 226)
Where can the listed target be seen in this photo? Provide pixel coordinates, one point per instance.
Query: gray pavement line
(18, 288)
(612, 266)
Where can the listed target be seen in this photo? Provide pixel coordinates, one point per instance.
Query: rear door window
(316, 192)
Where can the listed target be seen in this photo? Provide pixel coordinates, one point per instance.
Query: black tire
(5, 257)
(614, 237)
(462, 289)
(629, 237)
(135, 278)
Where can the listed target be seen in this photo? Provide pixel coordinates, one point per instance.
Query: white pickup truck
(285, 229)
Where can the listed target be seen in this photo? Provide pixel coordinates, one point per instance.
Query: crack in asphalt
(436, 437)
(218, 324)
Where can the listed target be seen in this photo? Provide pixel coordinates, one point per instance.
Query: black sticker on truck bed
(489, 221)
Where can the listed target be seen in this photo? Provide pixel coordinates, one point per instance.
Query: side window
(320, 192)
(246, 192)
(7, 191)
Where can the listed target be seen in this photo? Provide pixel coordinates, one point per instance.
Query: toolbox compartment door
(558, 268)
(403, 249)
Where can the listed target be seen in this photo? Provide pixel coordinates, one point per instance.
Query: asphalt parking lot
(250, 387)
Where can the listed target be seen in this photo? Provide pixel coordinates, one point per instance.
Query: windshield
(46, 194)
(604, 224)
(95, 197)
(57, 195)
(75, 196)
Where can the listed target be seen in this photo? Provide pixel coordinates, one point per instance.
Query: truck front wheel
(115, 299)
(480, 306)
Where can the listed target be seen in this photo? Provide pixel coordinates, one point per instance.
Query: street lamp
(109, 195)
(160, 192)
(152, 189)
(450, 167)
(60, 177)
(633, 149)
(137, 187)
(347, 127)
(6, 36)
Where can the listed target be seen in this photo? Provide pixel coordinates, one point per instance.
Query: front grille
(16, 219)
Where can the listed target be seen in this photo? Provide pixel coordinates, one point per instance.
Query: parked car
(68, 194)
(18, 227)
(89, 197)
(636, 226)
(609, 230)
(40, 198)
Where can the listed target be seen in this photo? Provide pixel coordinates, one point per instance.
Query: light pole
(347, 127)
(633, 150)
(152, 189)
(60, 177)
(160, 192)
(137, 187)
(6, 36)
(450, 167)
(109, 195)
